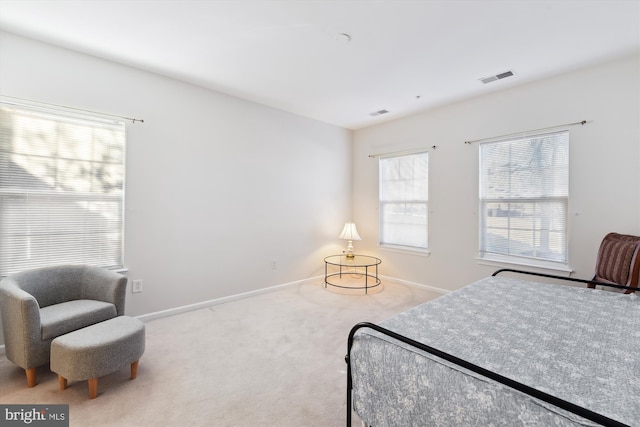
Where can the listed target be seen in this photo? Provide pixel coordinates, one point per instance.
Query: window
(404, 200)
(524, 194)
(61, 188)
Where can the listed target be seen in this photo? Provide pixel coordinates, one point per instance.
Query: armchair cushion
(615, 261)
(618, 261)
(65, 317)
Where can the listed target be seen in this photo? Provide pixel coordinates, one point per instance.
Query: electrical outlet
(274, 266)
(136, 286)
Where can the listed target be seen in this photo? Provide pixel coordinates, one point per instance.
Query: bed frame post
(349, 389)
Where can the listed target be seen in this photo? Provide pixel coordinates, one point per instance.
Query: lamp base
(349, 252)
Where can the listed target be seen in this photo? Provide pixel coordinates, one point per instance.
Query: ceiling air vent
(377, 113)
(490, 79)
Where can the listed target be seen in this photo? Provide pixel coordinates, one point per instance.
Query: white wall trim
(204, 304)
(500, 261)
(185, 308)
(417, 285)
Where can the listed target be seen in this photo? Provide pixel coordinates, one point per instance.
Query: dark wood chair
(618, 261)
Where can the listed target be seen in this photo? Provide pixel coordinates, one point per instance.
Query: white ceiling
(404, 55)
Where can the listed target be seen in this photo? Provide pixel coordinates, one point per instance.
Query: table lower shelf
(352, 281)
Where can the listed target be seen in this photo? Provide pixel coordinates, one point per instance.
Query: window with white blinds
(61, 188)
(524, 196)
(404, 198)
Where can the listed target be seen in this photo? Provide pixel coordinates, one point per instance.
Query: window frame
(399, 247)
(96, 195)
(494, 257)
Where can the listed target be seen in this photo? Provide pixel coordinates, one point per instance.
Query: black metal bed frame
(560, 403)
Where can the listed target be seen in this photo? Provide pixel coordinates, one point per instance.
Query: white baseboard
(185, 308)
(417, 285)
(209, 303)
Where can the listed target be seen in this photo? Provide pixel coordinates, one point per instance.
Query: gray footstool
(98, 350)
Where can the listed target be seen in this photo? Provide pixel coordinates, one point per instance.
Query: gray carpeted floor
(275, 359)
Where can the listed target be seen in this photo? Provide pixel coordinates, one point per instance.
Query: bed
(502, 351)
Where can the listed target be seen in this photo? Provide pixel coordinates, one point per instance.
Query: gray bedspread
(581, 345)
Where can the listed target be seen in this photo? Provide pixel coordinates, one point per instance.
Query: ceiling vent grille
(490, 79)
(377, 113)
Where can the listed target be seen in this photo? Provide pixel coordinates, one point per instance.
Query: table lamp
(350, 233)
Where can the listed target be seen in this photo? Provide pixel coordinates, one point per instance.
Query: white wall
(604, 167)
(217, 188)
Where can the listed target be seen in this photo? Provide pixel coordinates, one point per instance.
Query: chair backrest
(51, 285)
(618, 260)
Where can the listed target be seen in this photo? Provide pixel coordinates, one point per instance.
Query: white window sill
(499, 261)
(405, 250)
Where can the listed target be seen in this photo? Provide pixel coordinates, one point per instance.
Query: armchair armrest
(105, 285)
(20, 309)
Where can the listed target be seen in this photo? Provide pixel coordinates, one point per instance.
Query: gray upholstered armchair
(41, 304)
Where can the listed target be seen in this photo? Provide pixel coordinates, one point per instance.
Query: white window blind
(61, 188)
(524, 194)
(404, 185)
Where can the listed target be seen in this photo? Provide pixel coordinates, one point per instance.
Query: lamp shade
(350, 232)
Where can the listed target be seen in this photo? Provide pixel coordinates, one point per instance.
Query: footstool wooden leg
(134, 370)
(93, 388)
(63, 382)
(31, 377)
